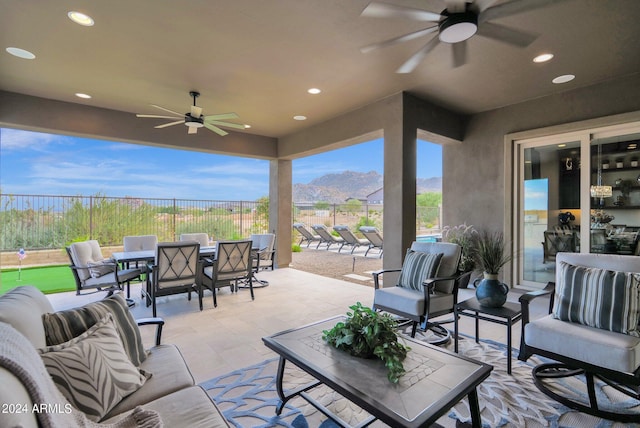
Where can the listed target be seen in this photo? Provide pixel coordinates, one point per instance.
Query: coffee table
(435, 381)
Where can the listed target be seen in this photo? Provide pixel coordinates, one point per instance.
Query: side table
(508, 314)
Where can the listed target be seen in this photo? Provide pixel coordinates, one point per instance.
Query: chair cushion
(63, 326)
(417, 267)
(92, 370)
(83, 253)
(602, 348)
(599, 298)
(410, 301)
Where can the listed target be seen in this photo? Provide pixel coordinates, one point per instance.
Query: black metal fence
(36, 222)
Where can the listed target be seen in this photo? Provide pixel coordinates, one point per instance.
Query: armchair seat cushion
(167, 377)
(411, 301)
(602, 348)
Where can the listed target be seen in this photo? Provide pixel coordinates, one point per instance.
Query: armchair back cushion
(417, 267)
(23, 307)
(83, 253)
(599, 298)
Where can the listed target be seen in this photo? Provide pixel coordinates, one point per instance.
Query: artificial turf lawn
(49, 279)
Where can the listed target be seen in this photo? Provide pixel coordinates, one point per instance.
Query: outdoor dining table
(125, 257)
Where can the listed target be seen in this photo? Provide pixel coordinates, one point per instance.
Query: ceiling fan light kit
(457, 27)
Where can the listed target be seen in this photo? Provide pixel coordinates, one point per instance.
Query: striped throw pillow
(600, 298)
(92, 370)
(417, 267)
(62, 326)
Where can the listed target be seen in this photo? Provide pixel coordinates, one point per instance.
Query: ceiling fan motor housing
(457, 27)
(193, 122)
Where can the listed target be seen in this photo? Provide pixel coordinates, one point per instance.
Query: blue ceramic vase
(491, 292)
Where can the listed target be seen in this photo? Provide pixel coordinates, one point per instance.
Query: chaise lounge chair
(349, 238)
(327, 237)
(373, 236)
(306, 235)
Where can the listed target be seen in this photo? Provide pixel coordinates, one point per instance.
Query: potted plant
(464, 236)
(367, 334)
(490, 255)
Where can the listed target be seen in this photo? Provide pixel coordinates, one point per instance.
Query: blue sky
(43, 164)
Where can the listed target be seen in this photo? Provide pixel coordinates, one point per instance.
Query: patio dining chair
(263, 254)
(327, 238)
(92, 270)
(201, 238)
(231, 265)
(372, 234)
(176, 269)
(307, 235)
(139, 243)
(349, 238)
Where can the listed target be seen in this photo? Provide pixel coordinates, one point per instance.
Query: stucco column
(400, 141)
(280, 203)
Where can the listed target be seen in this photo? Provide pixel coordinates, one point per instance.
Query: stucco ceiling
(258, 57)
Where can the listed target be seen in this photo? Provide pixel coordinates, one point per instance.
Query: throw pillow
(600, 298)
(103, 267)
(417, 267)
(62, 326)
(92, 370)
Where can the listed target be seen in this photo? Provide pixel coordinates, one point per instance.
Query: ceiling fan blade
(459, 54)
(226, 124)
(164, 125)
(215, 129)
(456, 6)
(385, 10)
(155, 116)
(166, 109)
(192, 130)
(417, 58)
(480, 6)
(505, 34)
(513, 7)
(196, 111)
(222, 116)
(401, 39)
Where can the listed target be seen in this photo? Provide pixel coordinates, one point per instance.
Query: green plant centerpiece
(490, 255)
(366, 333)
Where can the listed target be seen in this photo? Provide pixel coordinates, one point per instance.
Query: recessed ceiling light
(300, 117)
(81, 95)
(314, 91)
(20, 53)
(543, 57)
(247, 126)
(562, 145)
(80, 18)
(564, 78)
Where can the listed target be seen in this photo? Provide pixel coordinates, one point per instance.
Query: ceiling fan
(461, 20)
(194, 119)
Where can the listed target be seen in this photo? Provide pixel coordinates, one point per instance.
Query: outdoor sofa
(169, 394)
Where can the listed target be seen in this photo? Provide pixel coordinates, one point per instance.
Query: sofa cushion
(602, 348)
(92, 370)
(63, 326)
(170, 374)
(599, 298)
(417, 267)
(23, 307)
(189, 407)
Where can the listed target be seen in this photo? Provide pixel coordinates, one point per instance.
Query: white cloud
(14, 140)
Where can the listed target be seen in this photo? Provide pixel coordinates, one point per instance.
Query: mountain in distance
(336, 188)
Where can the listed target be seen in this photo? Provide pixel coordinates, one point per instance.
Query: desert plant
(490, 252)
(464, 236)
(367, 334)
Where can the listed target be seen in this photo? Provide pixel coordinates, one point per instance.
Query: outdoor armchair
(91, 270)
(373, 236)
(349, 238)
(307, 235)
(591, 330)
(232, 264)
(327, 238)
(176, 269)
(426, 288)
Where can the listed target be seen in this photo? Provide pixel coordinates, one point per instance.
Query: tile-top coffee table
(435, 381)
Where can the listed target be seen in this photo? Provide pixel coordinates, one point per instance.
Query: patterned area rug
(247, 397)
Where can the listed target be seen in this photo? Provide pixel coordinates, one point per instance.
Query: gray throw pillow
(101, 268)
(417, 267)
(600, 298)
(92, 370)
(62, 326)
